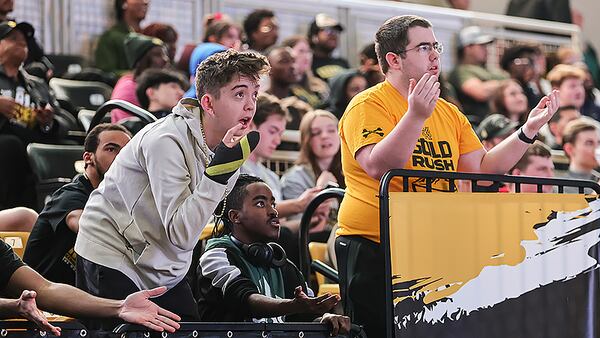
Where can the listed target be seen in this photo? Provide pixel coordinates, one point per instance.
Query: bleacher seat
(17, 240)
(318, 251)
(64, 63)
(81, 94)
(85, 117)
(54, 166)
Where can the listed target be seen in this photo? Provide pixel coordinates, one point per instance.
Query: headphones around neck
(267, 255)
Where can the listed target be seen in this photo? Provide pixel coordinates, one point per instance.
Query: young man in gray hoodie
(140, 226)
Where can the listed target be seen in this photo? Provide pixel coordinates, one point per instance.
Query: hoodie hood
(337, 97)
(189, 109)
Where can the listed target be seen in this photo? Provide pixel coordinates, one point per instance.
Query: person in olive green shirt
(110, 51)
(473, 81)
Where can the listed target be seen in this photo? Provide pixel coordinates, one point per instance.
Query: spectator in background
(283, 73)
(296, 109)
(262, 30)
(309, 88)
(36, 53)
(110, 51)
(591, 104)
(590, 56)
(17, 219)
(6, 7)
(27, 107)
(159, 90)
(369, 65)
(519, 62)
(553, 131)
(344, 87)
(224, 32)
(569, 80)
(580, 141)
(143, 52)
(323, 35)
(539, 84)
(49, 250)
(536, 162)
(28, 113)
(200, 53)
(511, 102)
(270, 120)
(318, 165)
(475, 84)
(568, 55)
(553, 10)
(167, 34)
(494, 129)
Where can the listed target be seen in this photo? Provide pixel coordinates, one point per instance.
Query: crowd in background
(307, 89)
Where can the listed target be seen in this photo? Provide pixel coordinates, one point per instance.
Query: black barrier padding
(225, 330)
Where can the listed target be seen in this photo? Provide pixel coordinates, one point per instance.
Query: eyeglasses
(426, 48)
(330, 30)
(522, 61)
(268, 28)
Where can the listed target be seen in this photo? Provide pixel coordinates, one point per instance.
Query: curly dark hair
(233, 201)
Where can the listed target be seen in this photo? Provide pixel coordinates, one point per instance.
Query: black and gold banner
(494, 265)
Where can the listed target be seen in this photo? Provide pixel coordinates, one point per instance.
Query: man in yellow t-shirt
(402, 123)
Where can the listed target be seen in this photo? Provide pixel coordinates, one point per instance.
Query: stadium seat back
(81, 94)
(64, 63)
(54, 166)
(318, 251)
(54, 160)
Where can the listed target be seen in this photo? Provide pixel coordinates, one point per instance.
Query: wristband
(524, 137)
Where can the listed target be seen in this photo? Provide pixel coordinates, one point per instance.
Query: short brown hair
(293, 40)
(574, 128)
(392, 36)
(220, 68)
(561, 72)
(536, 149)
(267, 105)
(219, 28)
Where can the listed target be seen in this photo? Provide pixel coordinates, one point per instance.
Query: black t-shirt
(49, 249)
(9, 263)
(328, 67)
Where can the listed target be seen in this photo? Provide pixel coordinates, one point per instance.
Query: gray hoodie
(147, 214)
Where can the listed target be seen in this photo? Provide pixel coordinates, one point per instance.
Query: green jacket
(110, 51)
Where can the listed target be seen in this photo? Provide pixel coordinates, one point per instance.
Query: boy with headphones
(244, 276)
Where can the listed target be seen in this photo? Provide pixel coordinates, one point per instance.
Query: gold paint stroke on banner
(445, 240)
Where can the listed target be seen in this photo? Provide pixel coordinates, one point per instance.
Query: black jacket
(30, 92)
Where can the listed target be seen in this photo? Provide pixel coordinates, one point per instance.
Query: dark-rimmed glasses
(426, 48)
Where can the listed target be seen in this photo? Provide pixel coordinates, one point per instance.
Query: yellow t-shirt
(370, 117)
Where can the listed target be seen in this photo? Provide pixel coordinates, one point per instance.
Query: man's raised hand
(541, 114)
(423, 95)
